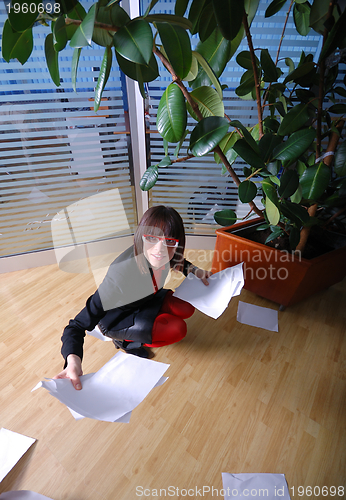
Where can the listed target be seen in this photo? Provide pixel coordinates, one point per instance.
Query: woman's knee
(169, 328)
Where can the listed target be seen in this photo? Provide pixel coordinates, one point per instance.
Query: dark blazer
(125, 305)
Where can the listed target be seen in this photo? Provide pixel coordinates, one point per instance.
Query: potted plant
(295, 158)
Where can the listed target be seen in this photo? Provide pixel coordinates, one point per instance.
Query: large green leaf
(25, 16)
(216, 52)
(247, 191)
(267, 144)
(77, 12)
(16, 45)
(247, 84)
(207, 134)
(272, 212)
(229, 15)
(295, 145)
(297, 196)
(269, 190)
(299, 72)
(244, 59)
(105, 69)
(296, 213)
(113, 16)
(301, 16)
(289, 183)
(225, 217)
(66, 6)
(84, 33)
(274, 7)
(319, 15)
(134, 41)
(195, 12)
(226, 146)
(314, 181)
(209, 72)
(192, 74)
(207, 23)
(294, 237)
(340, 160)
(246, 134)
(74, 67)
(252, 158)
(52, 59)
(338, 109)
(139, 72)
(208, 101)
(270, 73)
(171, 115)
(336, 37)
(180, 7)
(294, 119)
(176, 43)
(59, 34)
(149, 178)
(169, 18)
(165, 162)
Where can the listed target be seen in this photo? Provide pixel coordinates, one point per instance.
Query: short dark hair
(165, 221)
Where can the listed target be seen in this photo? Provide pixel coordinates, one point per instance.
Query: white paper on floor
(12, 448)
(22, 495)
(262, 317)
(263, 485)
(214, 298)
(112, 392)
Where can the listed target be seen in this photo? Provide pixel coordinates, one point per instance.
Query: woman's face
(158, 254)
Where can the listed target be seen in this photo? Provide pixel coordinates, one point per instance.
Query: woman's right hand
(72, 371)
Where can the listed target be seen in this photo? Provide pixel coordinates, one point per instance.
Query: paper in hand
(96, 332)
(263, 485)
(112, 392)
(214, 298)
(12, 448)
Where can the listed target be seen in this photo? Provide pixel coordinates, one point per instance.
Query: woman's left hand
(202, 275)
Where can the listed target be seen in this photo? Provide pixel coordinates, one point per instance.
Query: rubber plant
(294, 156)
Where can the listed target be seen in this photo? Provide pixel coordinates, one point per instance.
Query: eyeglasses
(167, 242)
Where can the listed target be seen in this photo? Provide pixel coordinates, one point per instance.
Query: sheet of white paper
(12, 448)
(269, 486)
(213, 299)
(262, 317)
(125, 419)
(22, 495)
(96, 332)
(112, 392)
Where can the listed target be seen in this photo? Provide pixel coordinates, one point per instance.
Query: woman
(130, 305)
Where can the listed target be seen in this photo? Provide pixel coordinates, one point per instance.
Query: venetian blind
(65, 170)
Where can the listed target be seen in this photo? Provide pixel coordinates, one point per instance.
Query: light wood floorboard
(238, 398)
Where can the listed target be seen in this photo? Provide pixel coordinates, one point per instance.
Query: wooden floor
(238, 398)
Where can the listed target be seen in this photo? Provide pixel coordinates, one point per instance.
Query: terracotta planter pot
(275, 274)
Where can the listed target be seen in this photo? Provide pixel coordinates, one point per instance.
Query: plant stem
(255, 74)
(279, 48)
(321, 88)
(283, 32)
(103, 26)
